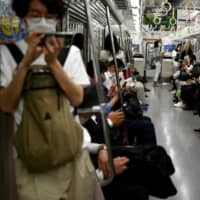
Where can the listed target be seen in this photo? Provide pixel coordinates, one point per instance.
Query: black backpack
(149, 166)
(196, 70)
(131, 105)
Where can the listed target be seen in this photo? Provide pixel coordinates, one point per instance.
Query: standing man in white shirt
(43, 16)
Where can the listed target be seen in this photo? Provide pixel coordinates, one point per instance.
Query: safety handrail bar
(124, 45)
(8, 189)
(113, 11)
(114, 54)
(145, 61)
(100, 94)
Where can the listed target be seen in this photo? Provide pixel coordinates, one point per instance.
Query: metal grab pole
(145, 61)
(125, 45)
(161, 69)
(121, 36)
(113, 10)
(145, 64)
(7, 168)
(99, 93)
(114, 54)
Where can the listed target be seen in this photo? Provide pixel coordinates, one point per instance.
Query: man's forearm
(10, 95)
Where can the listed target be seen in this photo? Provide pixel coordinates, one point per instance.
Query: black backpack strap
(63, 55)
(15, 52)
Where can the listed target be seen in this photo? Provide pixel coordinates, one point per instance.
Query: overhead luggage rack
(97, 7)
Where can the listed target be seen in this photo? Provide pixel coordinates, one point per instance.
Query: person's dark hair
(196, 70)
(108, 44)
(119, 63)
(54, 7)
(78, 40)
(179, 45)
(193, 59)
(90, 69)
(156, 43)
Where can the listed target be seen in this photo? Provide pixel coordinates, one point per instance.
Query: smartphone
(65, 35)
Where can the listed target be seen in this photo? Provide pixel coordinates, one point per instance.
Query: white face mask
(41, 24)
(112, 74)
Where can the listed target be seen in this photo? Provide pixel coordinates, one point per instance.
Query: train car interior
(132, 90)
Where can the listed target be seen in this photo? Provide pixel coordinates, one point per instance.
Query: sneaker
(180, 104)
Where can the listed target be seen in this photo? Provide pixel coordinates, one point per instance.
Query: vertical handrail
(124, 44)
(121, 36)
(112, 7)
(161, 62)
(145, 61)
(129, 49)
(99, 93)
(114, 54)
(8, 189)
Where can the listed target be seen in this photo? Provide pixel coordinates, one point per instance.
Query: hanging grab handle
(166, 6)
(172, 20)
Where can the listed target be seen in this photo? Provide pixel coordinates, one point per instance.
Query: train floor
(174, 130)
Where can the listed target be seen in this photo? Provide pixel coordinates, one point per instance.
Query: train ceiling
(130, 18)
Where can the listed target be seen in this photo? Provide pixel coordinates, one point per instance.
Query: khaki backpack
(48, 135)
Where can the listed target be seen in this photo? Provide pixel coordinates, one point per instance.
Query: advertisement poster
(11, 28)
(160, 19)
(187, 17)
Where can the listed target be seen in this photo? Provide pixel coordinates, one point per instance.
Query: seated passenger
(128, 83)
(184, 76)
(126, 184)
(139, 126)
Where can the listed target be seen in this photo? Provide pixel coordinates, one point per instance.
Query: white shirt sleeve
(93, 147)
(75, 67)
(190, 68)
(8, 66)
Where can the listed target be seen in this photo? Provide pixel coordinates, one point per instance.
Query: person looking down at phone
(42, 16)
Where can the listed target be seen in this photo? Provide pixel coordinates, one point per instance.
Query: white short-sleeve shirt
(73, 66)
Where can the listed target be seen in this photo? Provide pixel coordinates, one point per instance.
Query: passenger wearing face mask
(129, 83)
(41, 24)
(43, 16)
